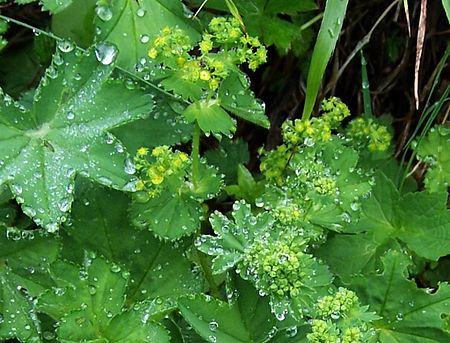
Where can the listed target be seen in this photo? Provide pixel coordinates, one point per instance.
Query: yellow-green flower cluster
(339, 318)
(323, 332)
(325, 185)
(328, 332)
(224, 43)
(366, 132)
(278, 267)
(317, 129)
(336, 305)
(171, 42)
(227, 32)
(274, 163)
(288, 215)
(334, 111)
(163, 164)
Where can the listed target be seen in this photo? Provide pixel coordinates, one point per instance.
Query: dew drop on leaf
(140, 12)
(104, 12)
(106, 53)
(65, 46)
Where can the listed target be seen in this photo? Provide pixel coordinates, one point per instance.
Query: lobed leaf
(66, 132)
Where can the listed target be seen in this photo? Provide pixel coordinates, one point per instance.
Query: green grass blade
(326, 41)
(446, 4)
(367, 101)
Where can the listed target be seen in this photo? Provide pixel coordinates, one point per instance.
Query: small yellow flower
(213, 83)
(183, 156)
(159, 41)
(205, 75)
(152, 53)
(142, 151)
(158, 151)
(166, 30)
(140, 185)
(181, 61)
(157, 179)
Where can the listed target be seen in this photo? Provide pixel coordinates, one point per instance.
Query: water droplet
(115, 268)
(213, 325)
(92, 289)
(145, 39)
(104, 12)
(106, 53)
(130, 168)
(70, 115)
(64, 205)
(140, 12)
(66, 46)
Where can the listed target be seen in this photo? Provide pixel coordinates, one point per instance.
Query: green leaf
(132, 25)
(425, 223)
(65, 132)
(265, 18)
(100, 224)
(170, 216)
(329, 32)
(235, 96)
(89, 305)
(246, 319)
(53, 6)
(410, 314)
(164, 126)
(418, 219)
(227, 156)
(289, 7)
(233, 235)
(210, 117)
(76, 22)
(434, 150)
(23, 266)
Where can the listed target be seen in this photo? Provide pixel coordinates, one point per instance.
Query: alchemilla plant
(130, 210)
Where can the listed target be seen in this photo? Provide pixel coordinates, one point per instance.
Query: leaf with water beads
(409, 314)
(54, 6)
(246, 318)
(65, 133)
(434, 150)
(233, 236)
(100, 223)
(419, 219)
(89, 305)
(132, 25)
(235, 96)
(24, 260)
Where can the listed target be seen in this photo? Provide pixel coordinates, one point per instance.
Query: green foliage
(130, 213)
(245, 318)
(265, 19)
(434, 150)
(420, 220)
(408, 314)
(45, 147)
(88, 304)
(54, 6)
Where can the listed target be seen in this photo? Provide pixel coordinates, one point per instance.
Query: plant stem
(195, 155)
(208, 275)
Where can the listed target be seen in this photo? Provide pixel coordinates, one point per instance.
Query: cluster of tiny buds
(330, 326)
(366, 132)
(278, 267)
